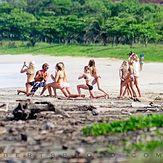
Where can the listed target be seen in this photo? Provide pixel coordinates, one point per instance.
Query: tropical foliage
(81, 21)
(132, 124)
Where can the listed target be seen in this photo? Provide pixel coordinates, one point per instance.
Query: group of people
(128, 72)
(129, 76)
(34, 81)
(60, 80)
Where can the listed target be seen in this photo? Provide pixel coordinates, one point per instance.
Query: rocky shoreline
(54, 137)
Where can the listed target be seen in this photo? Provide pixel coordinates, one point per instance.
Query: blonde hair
(31, 68)
(63, 68)
(136, 57)
(125, 64)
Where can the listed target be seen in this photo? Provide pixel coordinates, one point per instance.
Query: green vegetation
(128, 147)
(81, 22)
(152, 52)
(149, 146)
(132, 124)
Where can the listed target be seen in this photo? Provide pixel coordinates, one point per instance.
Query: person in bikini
(29, 70)
(88, 84)
(96, 76)
(59, 82)
(40, 79)
(129, 80)
(123, 74)
(65, 83)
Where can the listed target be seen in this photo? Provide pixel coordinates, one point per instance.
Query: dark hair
(86, 68)
(91, 63)
(58, 66)
(141, 55)
(130, 53)
(45, 65)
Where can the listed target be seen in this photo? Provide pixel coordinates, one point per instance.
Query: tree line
(81, 21)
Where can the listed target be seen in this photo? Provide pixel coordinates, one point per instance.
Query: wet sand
(56, 138)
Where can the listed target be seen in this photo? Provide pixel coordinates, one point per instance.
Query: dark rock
(158, 98)
(136, 100)
(24, 137)
(86, 108)
(10, 161)
(142, 110)
(11, 130)
(94, 113)
(65, 146)
(68, 130)
(2, 124)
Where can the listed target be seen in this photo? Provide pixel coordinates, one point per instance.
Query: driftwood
(4, 107)
(1, 106)
(29, 110)
(86, 108)
(89, 108)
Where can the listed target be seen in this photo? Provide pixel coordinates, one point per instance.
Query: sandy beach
(56, 136)
(151, 78)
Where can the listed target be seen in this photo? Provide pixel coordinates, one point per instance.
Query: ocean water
(10, 75)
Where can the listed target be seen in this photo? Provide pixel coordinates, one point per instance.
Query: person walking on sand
(96, 76)
(29, 70)
(88, 85)
(40, 79)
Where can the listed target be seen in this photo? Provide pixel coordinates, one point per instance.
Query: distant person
(88, 83)
(131, 77)
(124, 74)
(40, 79)
(96, 76)
(136, 73)
(29, 70)
(141, 61)
(129, 81)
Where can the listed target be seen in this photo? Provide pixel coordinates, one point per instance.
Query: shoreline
(151, 78)
(54, 133)
(60, 134)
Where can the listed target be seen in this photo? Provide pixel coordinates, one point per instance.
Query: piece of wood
(29, 110)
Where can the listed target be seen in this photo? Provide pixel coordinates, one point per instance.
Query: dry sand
(151, 78)
(58, 136)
